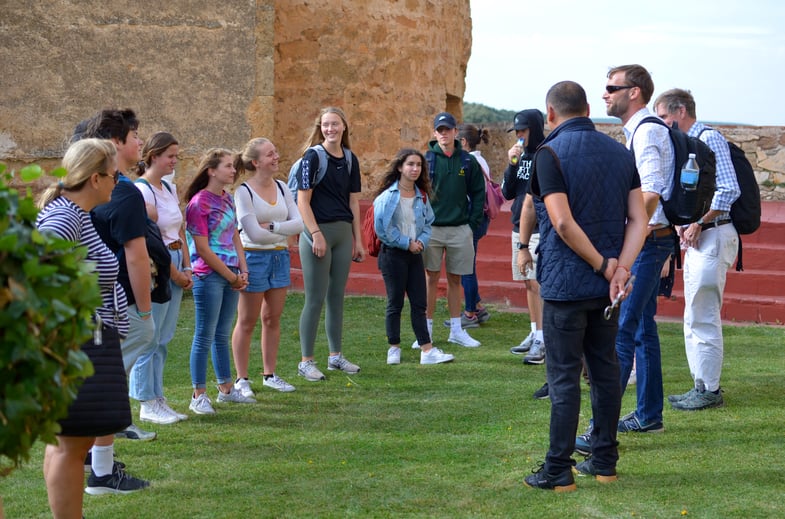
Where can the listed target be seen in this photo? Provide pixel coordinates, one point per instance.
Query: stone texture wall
(764, 146)
(220, 73)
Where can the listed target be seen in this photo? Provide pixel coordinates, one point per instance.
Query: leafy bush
(481, 114)
(47, 296)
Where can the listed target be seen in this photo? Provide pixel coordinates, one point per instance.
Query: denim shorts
(267, 269)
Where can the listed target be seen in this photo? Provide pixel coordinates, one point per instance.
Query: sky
(729, 54)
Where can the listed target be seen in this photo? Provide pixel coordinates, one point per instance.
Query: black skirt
(101, 406)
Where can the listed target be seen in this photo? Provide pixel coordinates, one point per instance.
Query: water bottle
(689, 174)
(521, 142)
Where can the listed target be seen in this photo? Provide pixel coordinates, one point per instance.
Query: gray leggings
(325, 278)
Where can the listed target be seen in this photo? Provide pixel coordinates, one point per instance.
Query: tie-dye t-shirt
(211, 215)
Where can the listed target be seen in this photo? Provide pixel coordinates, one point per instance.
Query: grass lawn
(452, 440)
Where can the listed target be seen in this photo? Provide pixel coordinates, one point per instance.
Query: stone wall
(764, 146)
(220, 73)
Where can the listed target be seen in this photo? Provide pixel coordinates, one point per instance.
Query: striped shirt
(67, 220)
(654, 158)
(727, 188)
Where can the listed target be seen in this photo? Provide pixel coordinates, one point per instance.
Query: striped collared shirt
(727, 190)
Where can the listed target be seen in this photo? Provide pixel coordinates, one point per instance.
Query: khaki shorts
(455, 244)
(534, 241)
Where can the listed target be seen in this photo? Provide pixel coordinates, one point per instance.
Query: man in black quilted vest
(592, 223)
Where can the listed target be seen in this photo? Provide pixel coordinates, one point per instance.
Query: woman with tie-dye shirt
(219, 274)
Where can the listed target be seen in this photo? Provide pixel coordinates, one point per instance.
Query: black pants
(572, 331)
(404, 274)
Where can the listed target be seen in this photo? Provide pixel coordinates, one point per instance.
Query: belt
(259, 249)
(660, 233)
(712, 225)
(175, 245)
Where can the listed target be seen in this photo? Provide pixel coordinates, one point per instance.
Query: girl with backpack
(402, 221)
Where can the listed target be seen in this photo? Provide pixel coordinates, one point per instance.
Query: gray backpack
(320, 173)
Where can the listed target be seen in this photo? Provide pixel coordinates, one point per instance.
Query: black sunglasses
(615, 88)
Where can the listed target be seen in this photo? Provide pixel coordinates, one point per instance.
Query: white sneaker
(435, 356)
(464, 339)
(201, 404)
(394, 355)
(415, 345)
(244, 387)
(309, 370)
(340, 363)
(234, 397)
(278, 383)
(162, 402)
(151, 411)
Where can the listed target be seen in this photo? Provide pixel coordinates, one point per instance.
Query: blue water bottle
(689, 174)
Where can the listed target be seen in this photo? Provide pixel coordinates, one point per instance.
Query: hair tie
(60, 184)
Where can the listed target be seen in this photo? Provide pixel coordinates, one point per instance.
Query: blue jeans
(471, 288)
(215, 307)
(637, 338)
(146, 381)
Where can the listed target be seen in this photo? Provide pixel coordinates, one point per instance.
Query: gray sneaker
(278, 383)
(683, 396)
(234, 397)
(133, 432)
(536, 354)
(699, 400)
(339, 363)
(524, 346)
(466, 322)
(309, 370)
(201, 404)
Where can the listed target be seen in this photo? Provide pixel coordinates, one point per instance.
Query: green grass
(446, 441)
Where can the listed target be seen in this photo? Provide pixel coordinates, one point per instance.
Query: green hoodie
(452, 189)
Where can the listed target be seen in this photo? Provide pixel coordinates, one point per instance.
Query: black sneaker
(542, 393)
(118, 482)
(88, 463)
(563, 482)
(587, 468)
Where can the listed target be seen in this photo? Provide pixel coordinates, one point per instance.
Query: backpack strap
(141, 180)
(250, 193)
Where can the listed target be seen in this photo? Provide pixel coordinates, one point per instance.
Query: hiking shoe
(339, 363)
(394, 355)
(278, 383)
(132, 432)
(483, 315)
(630, 423)
(583, 441)
(542, 393)
(118, 482)
(435, 356)
(683, 396)
(234, 397)
(536, 354)
(463, 339)
(563, 482)
(699, 400)
(309, 370)
(466, 321)
(243, 385)
(151, 411)
(162, 402)
(587, 468)
(88, 463)
(524, 346)
(201, 404)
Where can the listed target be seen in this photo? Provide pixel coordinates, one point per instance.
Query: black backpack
(745, 211)
(685, 207)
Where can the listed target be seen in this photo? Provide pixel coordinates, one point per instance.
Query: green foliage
(47, 296)
(480, 114)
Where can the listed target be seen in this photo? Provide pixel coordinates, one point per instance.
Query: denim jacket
(387, 215)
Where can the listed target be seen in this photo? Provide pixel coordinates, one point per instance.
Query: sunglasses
(615, 88)
(115, 176)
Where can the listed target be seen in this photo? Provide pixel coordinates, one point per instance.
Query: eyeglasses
(115, 176)
(615, 88)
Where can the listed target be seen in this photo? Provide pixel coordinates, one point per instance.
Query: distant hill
(477, 113)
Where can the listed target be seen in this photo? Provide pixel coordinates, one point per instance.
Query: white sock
(538, 335)
(429, 323)
(102, 459)
(534, 327)
(455, 325)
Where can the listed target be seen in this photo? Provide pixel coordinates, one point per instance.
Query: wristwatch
(522, 245)
(271, 226)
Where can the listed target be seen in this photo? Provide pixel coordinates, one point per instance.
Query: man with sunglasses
(628, 90)
(711, 244)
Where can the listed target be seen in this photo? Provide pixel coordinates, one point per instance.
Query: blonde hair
(210, 160)
(81, 160)
(243, 161)
(317, 137)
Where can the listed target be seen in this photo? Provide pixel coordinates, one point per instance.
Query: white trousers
(705, 270)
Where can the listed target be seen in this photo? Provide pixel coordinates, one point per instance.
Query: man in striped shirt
(711, 244)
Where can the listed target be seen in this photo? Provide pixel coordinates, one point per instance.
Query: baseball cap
(444, 119)
(521, 121)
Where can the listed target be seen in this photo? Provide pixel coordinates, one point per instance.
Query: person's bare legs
(64, 475)
(454, 294)
(248, 309)
(271, 310)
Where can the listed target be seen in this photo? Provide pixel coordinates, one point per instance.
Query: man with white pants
(712, 243)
